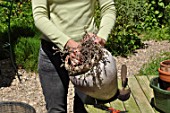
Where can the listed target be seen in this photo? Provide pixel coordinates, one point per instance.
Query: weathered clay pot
(163, 75)
(100, 85)
(165, 65)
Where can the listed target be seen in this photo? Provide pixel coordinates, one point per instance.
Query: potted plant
(164, 74)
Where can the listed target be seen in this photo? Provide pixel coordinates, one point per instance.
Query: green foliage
(134, 17)
(21, 20)
(153, 14)
(26, 52)
(123, 44)
(151, 68)
(124, 39)
(157, 34)
(167, 15)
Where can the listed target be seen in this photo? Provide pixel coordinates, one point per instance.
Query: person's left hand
(97, 39)
(100, 41)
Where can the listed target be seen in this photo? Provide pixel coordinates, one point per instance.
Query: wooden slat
(128, 105)
(117, 104)
(144, 82)
(131, 105)
(145, 85)
(139, 96)
(92, 109)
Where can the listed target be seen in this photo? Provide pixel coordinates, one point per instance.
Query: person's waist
(48, 45)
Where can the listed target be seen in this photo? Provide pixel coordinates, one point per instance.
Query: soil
(29, 89)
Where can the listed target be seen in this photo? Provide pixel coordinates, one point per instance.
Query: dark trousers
(54, 81)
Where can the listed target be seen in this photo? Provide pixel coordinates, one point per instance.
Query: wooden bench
(139, 101)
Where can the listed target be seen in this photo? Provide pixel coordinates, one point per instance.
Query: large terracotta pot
(165, 65)
(100, 84)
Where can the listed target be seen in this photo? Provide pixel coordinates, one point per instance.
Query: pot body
(164, 79)
(99, 82)
(165, 76)
(161, 97)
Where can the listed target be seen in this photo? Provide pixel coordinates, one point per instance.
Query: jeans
(55, 80)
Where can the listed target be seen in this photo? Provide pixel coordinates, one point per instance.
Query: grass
(151, 68)
(158, 34)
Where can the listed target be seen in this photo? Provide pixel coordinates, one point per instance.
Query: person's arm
(108, 18)
(43, 23)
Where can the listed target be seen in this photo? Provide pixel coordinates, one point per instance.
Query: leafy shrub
(124, 38)
(26, 52)
(21, 20)
(123, 44)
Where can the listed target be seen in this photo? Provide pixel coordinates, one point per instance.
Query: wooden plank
(144, 82)
(145, 85)
(128, 105)
(92, 109)
(139, 96)
(117, 104)
(131, 105)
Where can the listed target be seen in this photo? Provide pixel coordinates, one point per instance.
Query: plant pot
(164, 76)
(164, 79)
(161, 97)
(165, 65)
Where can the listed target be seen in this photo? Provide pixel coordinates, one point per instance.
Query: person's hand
(74, 52)
(100, 41)
(97, 39)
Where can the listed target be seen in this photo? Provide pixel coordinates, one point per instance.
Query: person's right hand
(71, 44)
(74, 50)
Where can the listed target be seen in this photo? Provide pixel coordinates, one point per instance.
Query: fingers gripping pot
(98, 78)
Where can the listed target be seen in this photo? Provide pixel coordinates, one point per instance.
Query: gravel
(30, 92)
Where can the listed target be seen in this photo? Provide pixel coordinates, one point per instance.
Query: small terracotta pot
(165, 65)
(163, 75)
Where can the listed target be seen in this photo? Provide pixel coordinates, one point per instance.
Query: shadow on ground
(7, 73)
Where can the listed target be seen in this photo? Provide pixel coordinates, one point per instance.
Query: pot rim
(162, 63)
(163, 72)
(156, 88)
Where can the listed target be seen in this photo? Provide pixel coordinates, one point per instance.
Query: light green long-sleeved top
(70, 18)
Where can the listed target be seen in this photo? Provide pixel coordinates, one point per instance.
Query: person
(63, 24)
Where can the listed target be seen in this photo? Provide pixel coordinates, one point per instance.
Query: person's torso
(73, 17)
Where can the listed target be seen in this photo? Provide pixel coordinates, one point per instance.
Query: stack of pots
(164, 75)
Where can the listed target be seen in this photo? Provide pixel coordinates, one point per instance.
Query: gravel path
(29, 91)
